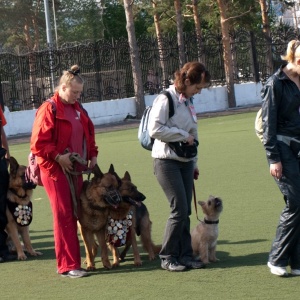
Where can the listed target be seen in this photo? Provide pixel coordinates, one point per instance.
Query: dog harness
(21, 213)
(118, 231)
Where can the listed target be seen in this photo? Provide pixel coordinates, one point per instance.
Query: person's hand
(190, 140)
(276, 170)
(196, 173)
(65, 162)
(93, 162)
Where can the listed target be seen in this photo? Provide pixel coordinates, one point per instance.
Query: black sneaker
(194, 264)
(172, 266)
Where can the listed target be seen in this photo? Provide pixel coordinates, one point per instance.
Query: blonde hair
(70, 75)
(292, 51)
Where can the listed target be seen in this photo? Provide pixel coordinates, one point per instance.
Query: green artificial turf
(233, 166)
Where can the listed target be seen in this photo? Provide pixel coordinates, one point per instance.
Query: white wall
(111, 111)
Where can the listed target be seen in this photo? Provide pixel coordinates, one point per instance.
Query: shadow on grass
(227, 261)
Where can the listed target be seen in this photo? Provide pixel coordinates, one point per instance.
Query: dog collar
(15, 193)
(211, 222)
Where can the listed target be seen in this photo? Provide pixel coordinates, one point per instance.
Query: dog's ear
(13, 166)
(118, 178)
(201, 203)
(97, 172)
(111, 169)
(127, 176)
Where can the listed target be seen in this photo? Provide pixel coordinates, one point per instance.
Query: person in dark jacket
(4, 181)
(281, 139)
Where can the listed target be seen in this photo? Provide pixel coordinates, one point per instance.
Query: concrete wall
(111, 111)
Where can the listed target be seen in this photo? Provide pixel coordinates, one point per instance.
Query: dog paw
(138, 263)
(36, 253)
(91, 268)
(107, 265)
(214, 260)
(115, 264)
(22, 257)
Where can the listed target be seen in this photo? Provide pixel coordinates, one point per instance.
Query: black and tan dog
(19, 209)
(131, 218)
(143, 226)
(97, 196)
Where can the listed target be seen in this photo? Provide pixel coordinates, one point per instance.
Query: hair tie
(74, 72)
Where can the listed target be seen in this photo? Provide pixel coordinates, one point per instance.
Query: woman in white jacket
(175, 173)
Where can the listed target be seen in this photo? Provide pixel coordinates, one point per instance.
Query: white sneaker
(279, 271)
(75, 273)
(295, 272)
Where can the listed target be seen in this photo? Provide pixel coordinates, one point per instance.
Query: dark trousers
(285, 249)
(4, 180)
(176, 180)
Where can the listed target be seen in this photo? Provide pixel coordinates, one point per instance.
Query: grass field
(233, 166)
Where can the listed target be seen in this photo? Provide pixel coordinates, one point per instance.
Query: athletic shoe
(75, 273)
(279, 271)
(295, 272)
(172, 266)
(193, 264)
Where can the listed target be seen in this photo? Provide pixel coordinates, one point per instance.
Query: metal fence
(28, 79)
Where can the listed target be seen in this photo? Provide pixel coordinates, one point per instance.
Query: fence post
(255, 66)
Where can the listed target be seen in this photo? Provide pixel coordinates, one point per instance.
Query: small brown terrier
(205, 234)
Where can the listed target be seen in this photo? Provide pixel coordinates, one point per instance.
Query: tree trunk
(198, 29)
(267, 34)
(165, 75)
(180, 38)
(227, 54)
(135, 60)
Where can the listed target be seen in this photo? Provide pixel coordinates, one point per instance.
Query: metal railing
(27, 78)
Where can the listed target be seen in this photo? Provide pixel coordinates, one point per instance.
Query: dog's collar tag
(211, 222)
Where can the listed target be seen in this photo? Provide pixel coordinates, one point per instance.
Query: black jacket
(280, 111)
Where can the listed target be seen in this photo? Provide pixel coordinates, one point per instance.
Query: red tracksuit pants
(67, 248)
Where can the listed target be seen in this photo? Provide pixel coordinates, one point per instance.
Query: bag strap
(171, 104)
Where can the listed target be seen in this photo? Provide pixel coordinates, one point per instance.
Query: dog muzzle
(27, 183)
(113, 198)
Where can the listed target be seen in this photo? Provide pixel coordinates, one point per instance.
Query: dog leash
(75, 157)
(195, 201)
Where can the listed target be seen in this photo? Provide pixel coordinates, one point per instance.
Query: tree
(227, 53)
(180, 39)
(267, 33)
(134, 57)
(194, 7)
(23, 21)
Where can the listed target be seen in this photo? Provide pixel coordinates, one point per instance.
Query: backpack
(33, 170)
(258, 125)
(143, 135)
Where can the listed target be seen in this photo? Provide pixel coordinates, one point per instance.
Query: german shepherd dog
(131, 205)
(19, 209)
(97, 196)
(143, 230)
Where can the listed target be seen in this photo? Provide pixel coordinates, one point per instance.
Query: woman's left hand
(93, 162)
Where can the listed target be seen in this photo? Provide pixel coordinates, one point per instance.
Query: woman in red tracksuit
(62, 124)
